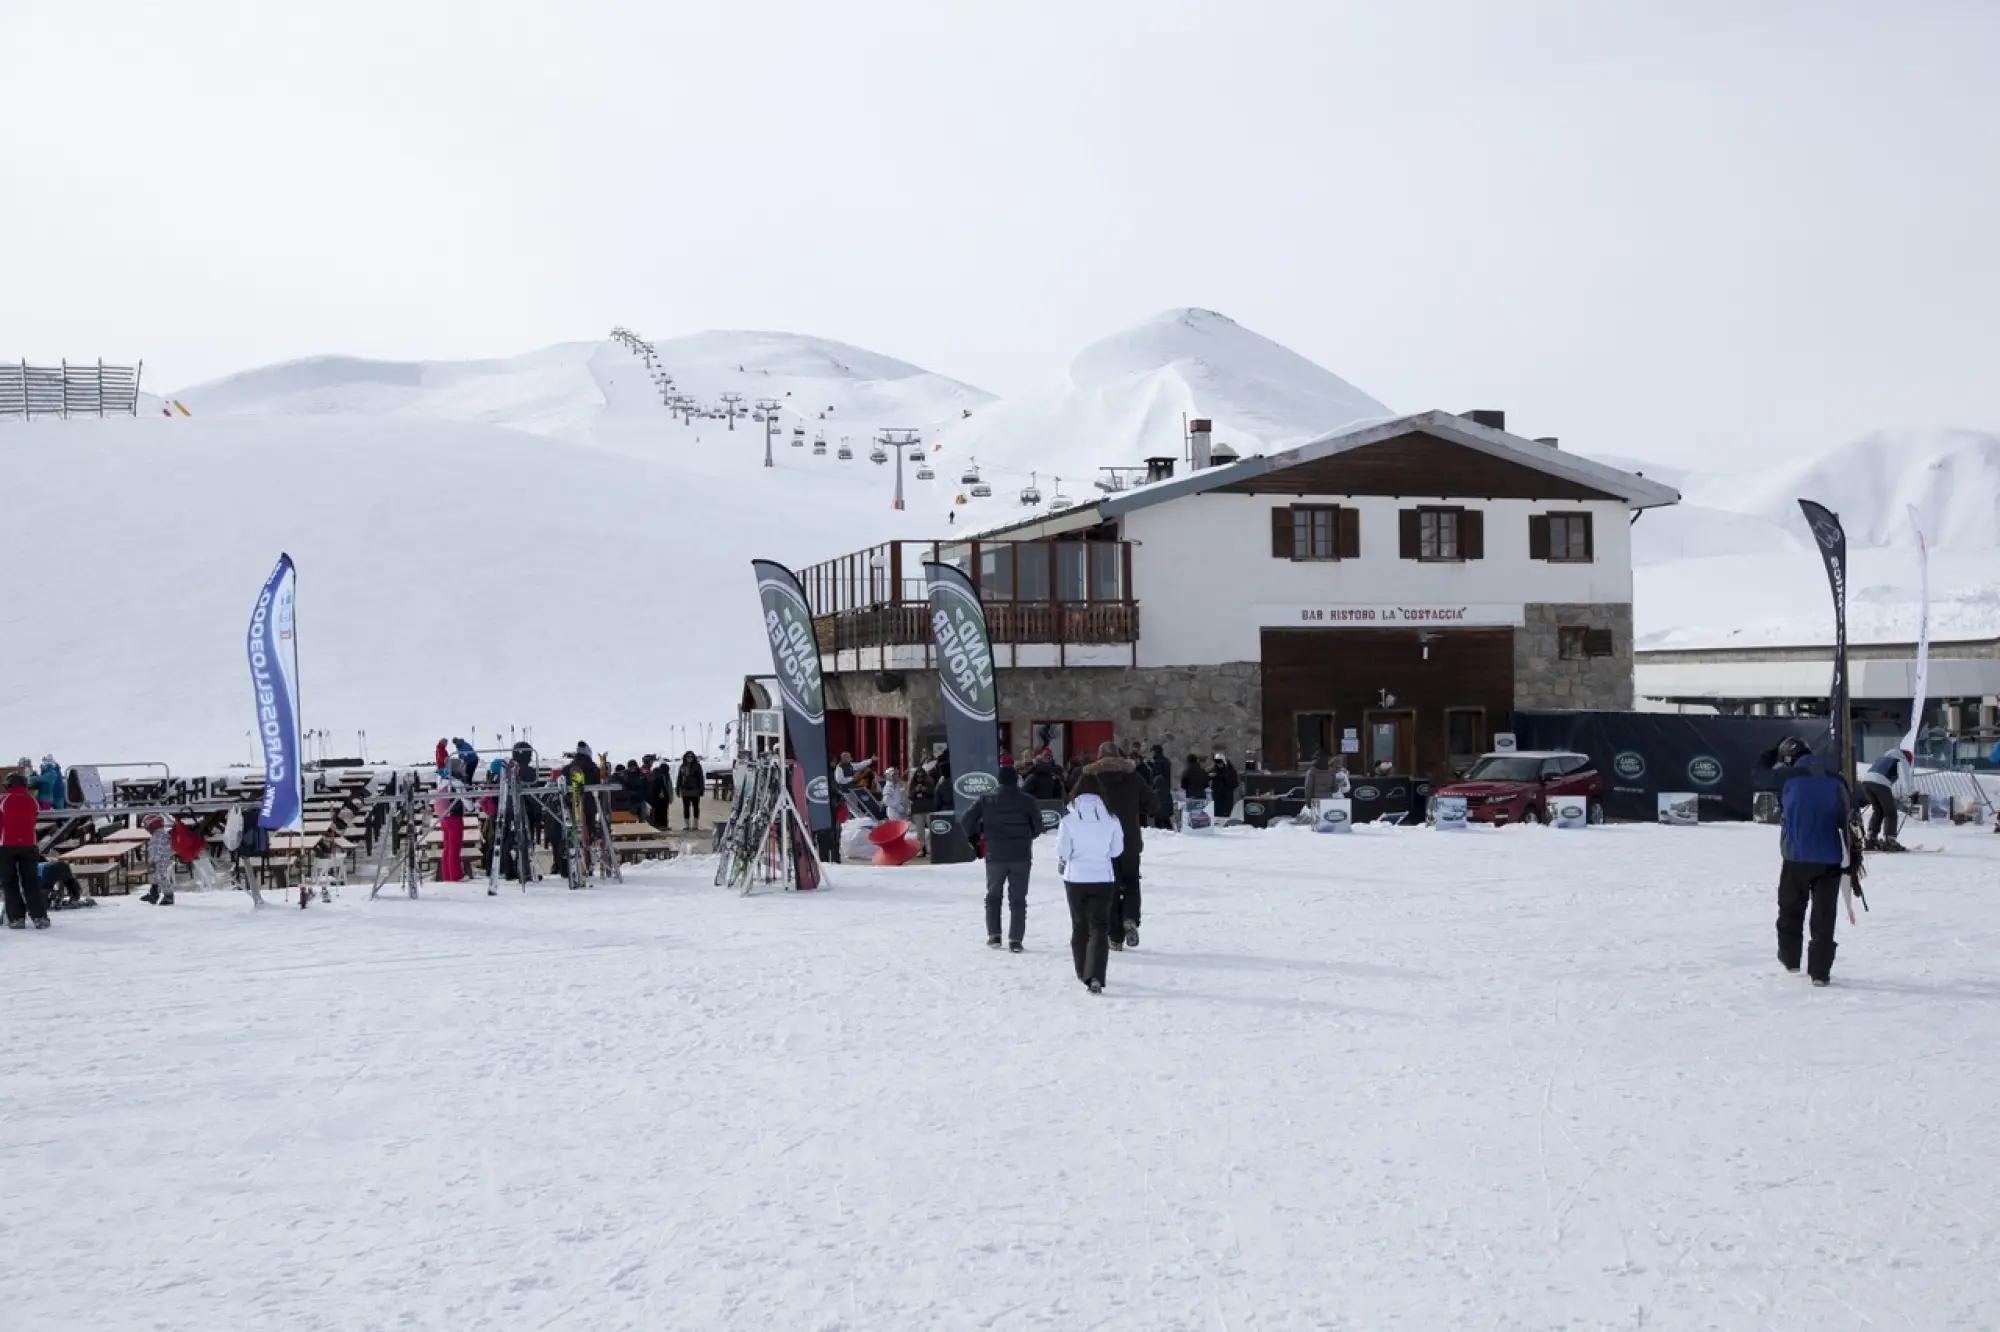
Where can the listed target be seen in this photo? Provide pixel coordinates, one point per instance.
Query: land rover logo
(1570, 809)
(1051, 819)
(1630, 765)
(1704, 771)
(965, 657)
(1367, 793)
(1423, 788)
(973, 785)
(941, 826)
(794, 648)
(816, 790)
(1335, 816)
(1253, 809)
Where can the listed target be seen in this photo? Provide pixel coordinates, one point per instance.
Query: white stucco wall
(1206, 581)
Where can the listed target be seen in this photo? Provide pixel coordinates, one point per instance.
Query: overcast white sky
(1694, 228)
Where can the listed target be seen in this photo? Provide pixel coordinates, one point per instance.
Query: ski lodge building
(1391, 592)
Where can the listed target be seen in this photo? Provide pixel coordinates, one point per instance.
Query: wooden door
(1390, 734)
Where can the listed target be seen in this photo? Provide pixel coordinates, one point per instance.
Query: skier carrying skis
(1818, 845)
(1885, 786)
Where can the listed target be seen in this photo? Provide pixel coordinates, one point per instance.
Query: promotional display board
(274, 678)
(788, 624)
(1334, 815)
(1642, 754)
(1450, 811)
(1680, 809)
(1569, 811)
(965, 679)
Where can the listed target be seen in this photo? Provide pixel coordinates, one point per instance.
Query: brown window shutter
(1412, 539)
(1597, 643)
(1589, 538)
(1471, 534)
(1538, 536)
(1349, 523)
(1281, 533)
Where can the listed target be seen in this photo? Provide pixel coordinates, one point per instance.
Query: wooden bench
(631, 849)
(96, 880)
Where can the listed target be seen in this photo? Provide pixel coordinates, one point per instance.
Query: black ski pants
(1881, 809)
(1800, 885)
(1125, 906)
(691, 810)
(21, 878)
(1090, 927)
(1010, 876)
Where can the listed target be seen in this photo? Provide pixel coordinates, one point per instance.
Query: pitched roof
(1636, 491)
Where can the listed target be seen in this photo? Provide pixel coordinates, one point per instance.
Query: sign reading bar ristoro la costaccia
(1390, 615)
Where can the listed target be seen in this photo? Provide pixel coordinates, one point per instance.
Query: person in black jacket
(1160, 776)
(660, 794)
(689, 784)
(1194, 779)
(1044, 780)
(1010, 821)
(1222, 783)
(1128, 797)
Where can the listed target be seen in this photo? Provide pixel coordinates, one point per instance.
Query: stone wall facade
(1544, 680)
(1184, 708)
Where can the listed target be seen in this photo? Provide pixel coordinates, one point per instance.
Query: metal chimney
(1198, 447)
(1159, 469)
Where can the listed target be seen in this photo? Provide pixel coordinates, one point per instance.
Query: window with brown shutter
(1443, 534)
(1281, 533)
(1538, 536)
(1597, 643)
(1568, 538)
(1409, 539)
(1350, 534)
(1315, 532)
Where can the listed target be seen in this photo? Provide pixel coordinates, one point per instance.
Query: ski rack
(765, 823)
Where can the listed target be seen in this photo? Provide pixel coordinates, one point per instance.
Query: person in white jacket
(1087, 843)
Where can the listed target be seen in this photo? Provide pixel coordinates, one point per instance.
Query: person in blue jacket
(1818, 844)
(51, 791)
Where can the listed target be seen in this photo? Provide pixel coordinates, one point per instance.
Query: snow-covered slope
(1127, 396)
(1733, 564)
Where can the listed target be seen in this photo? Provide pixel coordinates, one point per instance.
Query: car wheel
(1530, 815)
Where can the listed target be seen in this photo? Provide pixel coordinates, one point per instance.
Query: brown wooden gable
(1418, 465)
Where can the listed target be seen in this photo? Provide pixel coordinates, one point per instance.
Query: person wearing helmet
(1884, 786)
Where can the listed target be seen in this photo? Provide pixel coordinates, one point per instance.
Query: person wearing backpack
(1088, 844)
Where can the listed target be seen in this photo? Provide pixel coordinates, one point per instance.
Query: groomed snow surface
(1514, 1080)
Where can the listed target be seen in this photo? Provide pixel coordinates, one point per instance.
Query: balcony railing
(908, 624)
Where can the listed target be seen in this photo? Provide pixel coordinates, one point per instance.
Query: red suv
(1516, 788)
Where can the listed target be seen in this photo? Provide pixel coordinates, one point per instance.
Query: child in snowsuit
(160, 856)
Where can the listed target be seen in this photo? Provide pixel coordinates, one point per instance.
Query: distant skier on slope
(1818, 845)
(1885, 786)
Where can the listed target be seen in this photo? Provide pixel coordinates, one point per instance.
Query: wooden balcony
(1011, 623)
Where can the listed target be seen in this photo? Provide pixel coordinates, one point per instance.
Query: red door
(1086, 736)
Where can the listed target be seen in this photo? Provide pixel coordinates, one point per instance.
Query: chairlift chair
(1060, 500)
(845, 453)
(981, 491)
(916, 452)
(878, 454)
(1030, 495)
(798, 433)
(924, 472)
(971, 477)
(819, 448)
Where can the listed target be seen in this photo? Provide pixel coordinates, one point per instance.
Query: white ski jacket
(1088, 840)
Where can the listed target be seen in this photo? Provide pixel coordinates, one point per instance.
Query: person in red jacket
(20, 862)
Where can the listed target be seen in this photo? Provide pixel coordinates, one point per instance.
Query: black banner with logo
(965, 678)
(1643, 754)
(1832, 540)
(795, 655)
